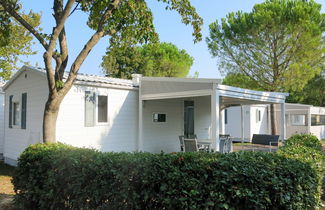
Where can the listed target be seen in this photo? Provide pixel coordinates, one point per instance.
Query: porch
(170, 107)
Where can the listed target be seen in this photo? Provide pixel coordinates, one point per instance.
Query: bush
(306, 140)
(57, 176)
(308, 149)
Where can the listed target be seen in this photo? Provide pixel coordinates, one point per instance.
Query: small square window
(16, 113)
(157, 117)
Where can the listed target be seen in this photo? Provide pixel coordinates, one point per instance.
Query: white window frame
(16, 100)
(152, 119)
(297, 123)
(96, 110)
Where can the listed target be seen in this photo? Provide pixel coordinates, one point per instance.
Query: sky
(167, 23)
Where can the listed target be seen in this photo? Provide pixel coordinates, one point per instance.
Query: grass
(6, 189)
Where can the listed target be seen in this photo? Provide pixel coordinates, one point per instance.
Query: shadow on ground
(6, 189)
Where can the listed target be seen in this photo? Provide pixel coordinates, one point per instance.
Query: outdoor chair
(181, 142)
(225, 145)
(190, 145)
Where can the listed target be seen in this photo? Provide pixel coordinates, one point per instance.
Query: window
(158, 117)
(317, 119)
(95, 109)
(226, 116)
(102, 109)
(16, 113)
(258, 115)
(298, 119)
(189, 119)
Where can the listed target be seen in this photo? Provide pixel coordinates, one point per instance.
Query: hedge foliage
(57, 176)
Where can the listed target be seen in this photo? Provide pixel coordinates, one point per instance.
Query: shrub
(308, 149)
(307, 140)
(57, 176)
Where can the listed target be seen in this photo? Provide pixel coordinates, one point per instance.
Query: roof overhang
(168, 88)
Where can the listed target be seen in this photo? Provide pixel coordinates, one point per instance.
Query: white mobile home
(300, 118)
(2, 132)
(145, 114)
(303, 118)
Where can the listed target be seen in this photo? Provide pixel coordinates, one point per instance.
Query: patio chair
(190, 145)
(181, 142)
(192, 136)
(225, 145)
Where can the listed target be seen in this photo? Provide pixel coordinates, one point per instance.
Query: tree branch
(88, 47)
(62, 60)
(11, 10)
(60, 23)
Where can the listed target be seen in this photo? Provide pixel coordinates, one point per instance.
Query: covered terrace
(169, 107)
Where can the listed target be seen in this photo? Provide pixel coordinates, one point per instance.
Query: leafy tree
(15, 40)
(127, 21)
(313, 93)
(158, 60)
(240, 80)
(279, 45)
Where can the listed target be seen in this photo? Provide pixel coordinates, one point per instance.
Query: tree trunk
(273, 120)
(49, 119)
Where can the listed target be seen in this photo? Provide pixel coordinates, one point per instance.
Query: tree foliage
(15, 40)
(159, 59)
(279, 45)
(313, 93)
(240, 80)
(127, 21)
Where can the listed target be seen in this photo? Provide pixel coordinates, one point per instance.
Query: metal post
(283, 121)
(215, 118)
(242, 123)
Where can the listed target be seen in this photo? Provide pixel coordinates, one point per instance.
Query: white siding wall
(159, 137)
(233, 126)
(202, 117)
(251, 125)
(17, 139)
(259, 127)
(2, 131)
(294, 129)
(119, 134)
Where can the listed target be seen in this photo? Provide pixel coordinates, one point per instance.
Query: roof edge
(19, 72)
(181, 79)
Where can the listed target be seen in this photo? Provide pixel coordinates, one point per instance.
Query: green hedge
(57, 176)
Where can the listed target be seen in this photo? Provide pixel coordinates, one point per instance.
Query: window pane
(298, 119)
(226, 116)
(317, 119)
(156, 117)
(16, 113)
(102, 109)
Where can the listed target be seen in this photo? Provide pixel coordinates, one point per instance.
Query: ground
(6, 189)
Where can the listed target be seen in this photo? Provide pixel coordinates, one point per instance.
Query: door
(188, 119)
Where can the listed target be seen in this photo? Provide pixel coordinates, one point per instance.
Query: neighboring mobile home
(108, 114)
(300, 118)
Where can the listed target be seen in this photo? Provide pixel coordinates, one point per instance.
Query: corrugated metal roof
(95, 78)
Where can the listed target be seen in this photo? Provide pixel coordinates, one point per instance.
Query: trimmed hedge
(57, 176)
